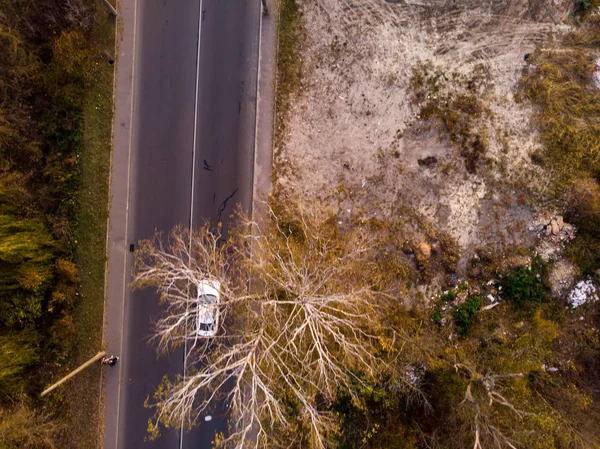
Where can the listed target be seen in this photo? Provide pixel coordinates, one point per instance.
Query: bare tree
(79, 13)
(168, 264)
(481, 395)
(298, 326)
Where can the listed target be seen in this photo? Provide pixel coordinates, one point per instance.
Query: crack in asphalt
(224, 205)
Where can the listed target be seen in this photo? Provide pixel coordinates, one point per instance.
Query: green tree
(25, 428)
(16, 354)
(17, 70)
(25, 268)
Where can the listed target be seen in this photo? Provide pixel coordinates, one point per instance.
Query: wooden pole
(110, 7)
(76, 371)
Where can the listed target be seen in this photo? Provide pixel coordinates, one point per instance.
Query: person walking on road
(110, 361)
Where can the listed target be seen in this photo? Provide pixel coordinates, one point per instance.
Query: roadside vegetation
(561, 84)
(289, 64)
(55, 121)
(318, 353)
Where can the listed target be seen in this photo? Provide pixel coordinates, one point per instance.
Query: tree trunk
(110, 7)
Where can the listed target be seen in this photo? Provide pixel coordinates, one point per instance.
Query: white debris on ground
(549, 369)
(415, 373)
(583, 292)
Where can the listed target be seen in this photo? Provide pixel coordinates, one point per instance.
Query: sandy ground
(354, 137)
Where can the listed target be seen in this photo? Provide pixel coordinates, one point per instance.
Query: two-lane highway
(192, 153)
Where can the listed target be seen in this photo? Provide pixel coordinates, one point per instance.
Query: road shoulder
(117, 245)
(265, 110)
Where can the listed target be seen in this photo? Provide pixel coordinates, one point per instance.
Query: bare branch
(306, 331)
(481, 405)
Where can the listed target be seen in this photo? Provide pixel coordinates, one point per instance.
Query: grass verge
(83, 393)
(561, 83)
(569, 110)
(289, 65)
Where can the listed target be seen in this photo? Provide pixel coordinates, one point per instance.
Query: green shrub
(527, 285)
(70, 61)
(22, 426)
(26, 268)
(449, 296)
(16, 354)
(464, 314)
(436, 315)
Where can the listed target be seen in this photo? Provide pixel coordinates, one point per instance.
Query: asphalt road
(192, 159)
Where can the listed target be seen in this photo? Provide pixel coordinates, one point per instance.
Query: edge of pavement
(265, 118)
(116, 239)
(265, 111)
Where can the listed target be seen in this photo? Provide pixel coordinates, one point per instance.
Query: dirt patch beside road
(409, 108)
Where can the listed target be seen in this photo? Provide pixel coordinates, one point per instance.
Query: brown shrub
(67, 271)
(583, 205)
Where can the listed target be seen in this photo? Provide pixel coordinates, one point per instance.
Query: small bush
(450, 252)
(464, 314)
(449, 296)
(584, 4)
(70, 60)
(436, 315)
(585, 252)
(583, 206)
(526, 285)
